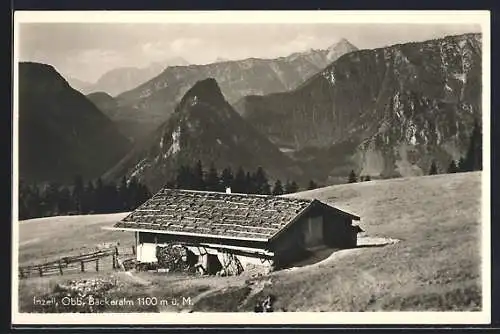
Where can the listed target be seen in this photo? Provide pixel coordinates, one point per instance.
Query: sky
(85, 51)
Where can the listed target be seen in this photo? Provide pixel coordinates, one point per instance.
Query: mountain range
(205, 127)
(61, 133)
(153, 102)
(382, 112)
(122, 79)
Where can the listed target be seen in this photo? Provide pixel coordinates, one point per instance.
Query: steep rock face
(203, 127)
(155, 99)
(383, 112)
(61, 133)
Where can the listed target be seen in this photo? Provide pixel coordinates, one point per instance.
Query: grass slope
(435, 266)
(47, 239)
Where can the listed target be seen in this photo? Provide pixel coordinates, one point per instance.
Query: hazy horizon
(85, 51)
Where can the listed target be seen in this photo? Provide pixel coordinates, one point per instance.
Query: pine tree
(226, 178)
(212, 179)
(461, 165)
(100, 197)
(133, 191)
(144, 193)
(77, 194)
(23, 200)
(287, 187)
(52, 198)
(312, 185)
(473, 157)
(352, 177)
(433, 169)
(250, 184)
(64, 201)
(452, 168)
(110, 194)
(198, 179)
(239, 181)
(88, 201)
(278, 188)
(185, 177)
(261, 182)
(32, 202)
(291, 187)
(266, 189)
(123, 194)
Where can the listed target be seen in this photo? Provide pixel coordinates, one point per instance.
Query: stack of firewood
(173, 257)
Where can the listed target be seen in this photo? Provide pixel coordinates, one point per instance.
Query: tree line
(52, 199)
(196, 177)
(93, 197)
(473, 159)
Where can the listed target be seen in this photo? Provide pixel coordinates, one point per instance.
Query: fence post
(114, 261)
(133, 250)
(82, 266)
(97, 264)
(60, 268)
(40, 271)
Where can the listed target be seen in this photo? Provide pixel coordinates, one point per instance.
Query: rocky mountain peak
(340, 48)
(204, 127)
(205, 91)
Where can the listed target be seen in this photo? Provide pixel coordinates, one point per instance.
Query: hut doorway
(213, 264)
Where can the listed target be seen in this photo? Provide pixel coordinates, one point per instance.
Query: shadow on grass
(309, 257)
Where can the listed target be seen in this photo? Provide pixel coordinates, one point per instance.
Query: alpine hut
(256, 231)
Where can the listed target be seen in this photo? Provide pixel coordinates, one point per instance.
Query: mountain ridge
(61, 133)
(154, 100)
(121, 79)
(385, 111)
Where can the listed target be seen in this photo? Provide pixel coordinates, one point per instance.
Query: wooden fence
(75, 263)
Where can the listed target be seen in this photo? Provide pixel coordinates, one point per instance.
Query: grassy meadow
(435, 266)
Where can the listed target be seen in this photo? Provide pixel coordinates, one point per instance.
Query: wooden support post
(82, 266)
(97, 264)
(114, 261)
(60, 268)
(133, 250)
(40, 271)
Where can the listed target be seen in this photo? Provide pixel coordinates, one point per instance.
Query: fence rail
(74, 263)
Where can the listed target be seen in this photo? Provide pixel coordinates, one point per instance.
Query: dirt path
(130, 277)
(257, 287)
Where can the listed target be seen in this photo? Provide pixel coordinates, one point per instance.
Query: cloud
(181, 45)
(93, 56)
(88, 50)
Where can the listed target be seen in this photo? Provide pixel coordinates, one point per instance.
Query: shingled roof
(203, 213)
